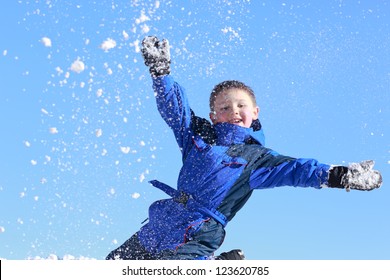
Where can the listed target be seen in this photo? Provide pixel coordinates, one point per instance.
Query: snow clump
(53, 130)
(77, 66)
(108, 44)
(135, 195)
(46, 42)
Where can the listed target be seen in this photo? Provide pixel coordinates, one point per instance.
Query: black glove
(357, 176)
(156, 55)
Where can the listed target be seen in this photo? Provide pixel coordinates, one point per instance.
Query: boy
(223, 163)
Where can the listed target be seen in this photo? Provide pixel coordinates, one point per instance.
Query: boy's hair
(226, 85)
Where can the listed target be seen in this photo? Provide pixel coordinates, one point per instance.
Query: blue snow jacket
(222, 165)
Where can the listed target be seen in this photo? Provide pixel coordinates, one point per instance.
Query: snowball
(142, 177)
(27, 144)
(77, 66)
(53, 130)
(99, 92)
(142, 18)
(135, 44)
(2, 229)
(59, 70)
(145, 28)
(125, 150)
(135, 195)
(98, 132)
(108, 44)
(125, 35)
(46, 42)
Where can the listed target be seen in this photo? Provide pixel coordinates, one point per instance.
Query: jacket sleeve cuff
(163, 83)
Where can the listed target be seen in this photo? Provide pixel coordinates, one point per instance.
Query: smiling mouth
(236, 121)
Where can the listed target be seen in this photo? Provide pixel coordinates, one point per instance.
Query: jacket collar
(228, 134)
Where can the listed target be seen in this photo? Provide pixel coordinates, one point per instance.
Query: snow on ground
(53, 257)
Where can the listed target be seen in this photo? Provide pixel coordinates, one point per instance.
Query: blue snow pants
(201, 246)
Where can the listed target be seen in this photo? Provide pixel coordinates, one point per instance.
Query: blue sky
(81, 135)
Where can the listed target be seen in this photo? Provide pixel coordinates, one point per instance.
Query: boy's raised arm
(171, 99)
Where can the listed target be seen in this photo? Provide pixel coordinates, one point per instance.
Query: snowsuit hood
(228, 134)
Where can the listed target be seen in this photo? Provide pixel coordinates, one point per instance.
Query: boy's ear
(256, 112)
(213, 117)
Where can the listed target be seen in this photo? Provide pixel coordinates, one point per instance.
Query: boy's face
(234, 106)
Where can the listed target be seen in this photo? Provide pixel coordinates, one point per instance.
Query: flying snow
(44, 111)
(67, 257)
(233, 34)
(142, 18)
(136, 46)
(99, 92)
(125, 35)
(98, 132)
(145, 28)
(125, 150)
(53, 130)
(108, 44)
(46, 42)
(112, 191)
(135, 195)
(89, 101)
(77, 66)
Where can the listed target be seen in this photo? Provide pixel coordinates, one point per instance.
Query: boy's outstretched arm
(277, 171)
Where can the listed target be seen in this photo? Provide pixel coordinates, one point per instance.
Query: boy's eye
(225, 108)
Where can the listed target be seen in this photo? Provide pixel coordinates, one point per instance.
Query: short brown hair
(226, 85)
